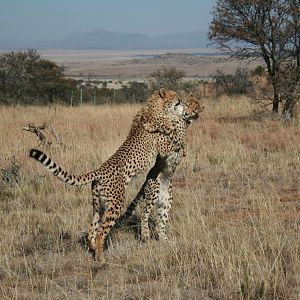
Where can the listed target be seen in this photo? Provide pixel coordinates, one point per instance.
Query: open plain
(234, 228)
(120, 65)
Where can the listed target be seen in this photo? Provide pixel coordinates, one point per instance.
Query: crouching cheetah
(157, 189)
(137, 153)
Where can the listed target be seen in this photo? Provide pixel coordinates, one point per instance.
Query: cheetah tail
(56, 170)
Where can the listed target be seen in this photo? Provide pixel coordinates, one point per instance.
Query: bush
(236, 84)
(167, 77)
(258, 71)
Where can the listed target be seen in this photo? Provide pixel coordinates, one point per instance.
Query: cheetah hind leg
(109, 218)
(98, 212)
(93, 231)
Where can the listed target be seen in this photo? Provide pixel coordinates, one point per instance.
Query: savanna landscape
(234, 225)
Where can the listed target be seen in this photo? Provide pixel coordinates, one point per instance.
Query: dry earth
(140, 64)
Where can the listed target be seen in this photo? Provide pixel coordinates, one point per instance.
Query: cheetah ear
(163, 92)
(190, 95)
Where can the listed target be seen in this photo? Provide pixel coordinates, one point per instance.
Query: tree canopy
(261, 28)
(26, 78)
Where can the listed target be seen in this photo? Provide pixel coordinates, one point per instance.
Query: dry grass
(234, 229)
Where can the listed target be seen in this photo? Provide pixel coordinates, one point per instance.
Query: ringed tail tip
(38, 155)
(34, 153)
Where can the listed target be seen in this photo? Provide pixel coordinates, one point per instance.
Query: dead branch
(44, 139)
(37, 130)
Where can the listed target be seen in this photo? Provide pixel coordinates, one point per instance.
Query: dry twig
(37, 130)
(42, 138)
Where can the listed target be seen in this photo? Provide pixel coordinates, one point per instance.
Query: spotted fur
(157, 189)
(137, 153)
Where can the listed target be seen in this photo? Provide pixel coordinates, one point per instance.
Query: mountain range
(101, 39)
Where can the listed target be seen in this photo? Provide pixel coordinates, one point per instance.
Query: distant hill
(101, 39)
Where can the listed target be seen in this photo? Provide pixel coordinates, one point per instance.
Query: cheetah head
(192, 109)
(172, 102)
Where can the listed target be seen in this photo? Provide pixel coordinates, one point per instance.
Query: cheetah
(137, 153)
(157, 189)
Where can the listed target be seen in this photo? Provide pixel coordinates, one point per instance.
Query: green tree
(16, 73)
(261, 28)
(49, 80)
(135, 91)
(26, 78)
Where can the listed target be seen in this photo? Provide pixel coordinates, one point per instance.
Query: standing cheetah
(137, 153)
(157, 189)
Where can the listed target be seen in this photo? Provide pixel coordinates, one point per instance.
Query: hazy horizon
(33, 20)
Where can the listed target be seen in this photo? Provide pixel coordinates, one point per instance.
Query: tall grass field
(234, 230)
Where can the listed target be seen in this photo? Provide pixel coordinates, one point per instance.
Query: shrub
(236, 84)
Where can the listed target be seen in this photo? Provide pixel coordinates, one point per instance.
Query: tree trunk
(276, 98)
(275, 107)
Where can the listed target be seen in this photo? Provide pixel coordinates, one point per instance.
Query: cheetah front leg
(164, 125)
(151, 198)
(164, 206)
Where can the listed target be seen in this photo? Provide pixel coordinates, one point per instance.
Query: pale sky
(43, 19)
